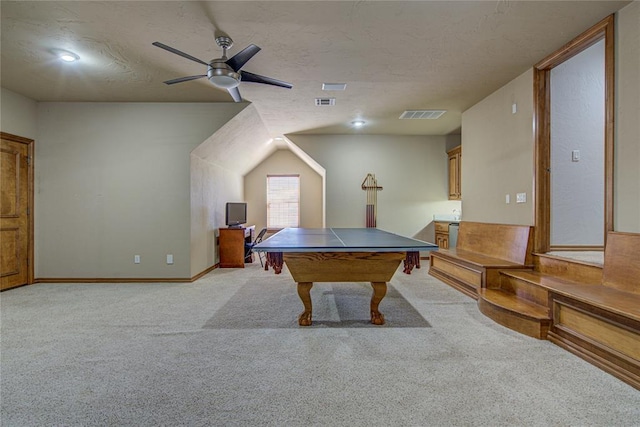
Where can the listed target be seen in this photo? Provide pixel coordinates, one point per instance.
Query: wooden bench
(596, 317)
(601, 323)
(482, 250)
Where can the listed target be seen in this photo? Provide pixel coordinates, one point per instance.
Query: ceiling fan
(225, 73)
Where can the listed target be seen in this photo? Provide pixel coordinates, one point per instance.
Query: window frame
(275, 228)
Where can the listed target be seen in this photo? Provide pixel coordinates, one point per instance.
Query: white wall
(217, 169)
(453, 141)
(18, 114)
(211, 187)
(113, 180)
(627, 120)
(498, 155)
(411, 169)
(284, 162)
(498, 148)
(577, 124)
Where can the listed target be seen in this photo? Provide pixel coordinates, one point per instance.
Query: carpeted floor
(268, 304)
(225, 351)
(593, 257)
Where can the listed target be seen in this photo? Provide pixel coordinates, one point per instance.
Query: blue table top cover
(340, 240)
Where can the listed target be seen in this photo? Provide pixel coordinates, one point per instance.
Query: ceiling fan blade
(241, 58)
(184, 79)
(235, 94)
(177, 52)
(256, 78)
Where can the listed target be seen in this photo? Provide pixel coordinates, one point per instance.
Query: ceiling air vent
(321, 102)
(334, 86)
(422, 114)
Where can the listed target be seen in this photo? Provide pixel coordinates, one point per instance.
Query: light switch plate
(169, 259)
(575, 156)
(521, 197)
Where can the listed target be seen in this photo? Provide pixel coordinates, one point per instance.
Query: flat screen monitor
(236, 214)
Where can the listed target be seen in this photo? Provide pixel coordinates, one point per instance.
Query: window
(283, 201)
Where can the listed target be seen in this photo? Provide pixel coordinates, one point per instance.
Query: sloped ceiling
(240, 145)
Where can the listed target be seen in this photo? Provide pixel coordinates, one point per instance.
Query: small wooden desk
(232, 246)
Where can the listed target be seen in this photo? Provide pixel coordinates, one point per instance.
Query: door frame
(603, 30)
(30, 143)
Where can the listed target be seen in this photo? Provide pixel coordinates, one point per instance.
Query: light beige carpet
(593, 257)
(144, 354)
(270, 303)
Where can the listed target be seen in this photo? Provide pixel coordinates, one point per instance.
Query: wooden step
(525, 284)
(578, 271)
(545, 280)
(515, 313)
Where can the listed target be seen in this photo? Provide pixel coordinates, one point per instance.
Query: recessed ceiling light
(278, 138)
(65, 55)
(358, 123)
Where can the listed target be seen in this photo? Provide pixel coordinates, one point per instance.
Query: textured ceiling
(393, 56)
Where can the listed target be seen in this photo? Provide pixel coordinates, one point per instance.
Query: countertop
(446, 218)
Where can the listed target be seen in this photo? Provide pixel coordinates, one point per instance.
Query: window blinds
(283, 201)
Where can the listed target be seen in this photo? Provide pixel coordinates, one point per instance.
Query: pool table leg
(303, 292)
(379, 291)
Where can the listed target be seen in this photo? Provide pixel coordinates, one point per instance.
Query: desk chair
(248, 247)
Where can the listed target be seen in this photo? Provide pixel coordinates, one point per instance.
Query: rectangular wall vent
(422, 114)
(321, 102)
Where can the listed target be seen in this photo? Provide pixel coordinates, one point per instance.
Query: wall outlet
(169, 259)
(507, 198)
(521, 197)
(136, 259)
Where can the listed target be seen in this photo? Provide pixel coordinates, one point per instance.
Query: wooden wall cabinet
(455, 165)
(232, 249)
(442, 234)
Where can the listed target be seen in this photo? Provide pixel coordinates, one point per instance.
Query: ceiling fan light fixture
(224, 82)
(225, 73)
(222, 76)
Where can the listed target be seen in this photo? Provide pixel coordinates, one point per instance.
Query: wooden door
(453, 175)
(16, 182)
(442, 240)
(455, 157)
